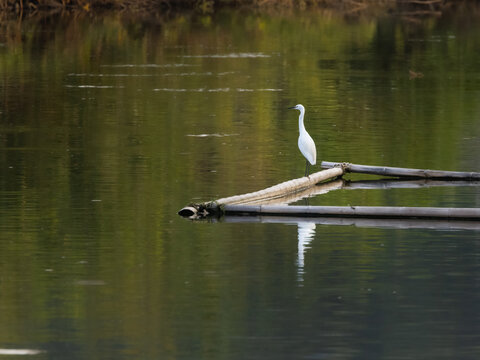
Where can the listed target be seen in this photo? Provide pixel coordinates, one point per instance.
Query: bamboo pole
(287, 187)
(390, 223)
(402, 172)
(404, 184)
(273, 192)
(356, 211)
(312, 191)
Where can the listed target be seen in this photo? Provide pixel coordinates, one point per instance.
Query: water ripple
(146, 65)
(213, 90)
(230, 56)
(20, 352)
(211, 135)
(95, 86)
(193, 73)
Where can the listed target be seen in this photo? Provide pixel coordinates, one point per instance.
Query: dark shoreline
(418, 8)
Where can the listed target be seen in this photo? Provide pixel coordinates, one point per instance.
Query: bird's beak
(293, 107)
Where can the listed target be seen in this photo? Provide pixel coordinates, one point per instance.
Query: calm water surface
(108, 126)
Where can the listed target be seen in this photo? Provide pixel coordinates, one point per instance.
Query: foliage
(348, 7)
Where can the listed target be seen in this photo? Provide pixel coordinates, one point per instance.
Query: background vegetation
(350, 7)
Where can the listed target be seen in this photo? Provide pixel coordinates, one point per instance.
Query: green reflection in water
(109, 125)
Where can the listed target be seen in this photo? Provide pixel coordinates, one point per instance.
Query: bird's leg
(306, 168)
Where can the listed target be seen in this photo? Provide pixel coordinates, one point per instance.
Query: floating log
(402, 172)
(356, 211)
(273, 192)
(287, 187)
(255, 202)
(323, 188)
(318, 189)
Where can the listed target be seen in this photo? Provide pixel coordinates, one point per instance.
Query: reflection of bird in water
(305, 141)
(306, 232)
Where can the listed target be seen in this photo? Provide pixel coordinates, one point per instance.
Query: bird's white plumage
(305, 141)
(307, 147)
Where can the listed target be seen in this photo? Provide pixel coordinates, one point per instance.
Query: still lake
(109, 125)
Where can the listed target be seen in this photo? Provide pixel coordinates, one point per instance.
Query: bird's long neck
(301, 127)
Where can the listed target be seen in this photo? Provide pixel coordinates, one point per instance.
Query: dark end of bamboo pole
(188, 211)
(200, 211)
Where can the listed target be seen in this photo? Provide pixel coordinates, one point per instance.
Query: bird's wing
(307, 148)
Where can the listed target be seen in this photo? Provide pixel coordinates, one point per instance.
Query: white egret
(305, 141)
